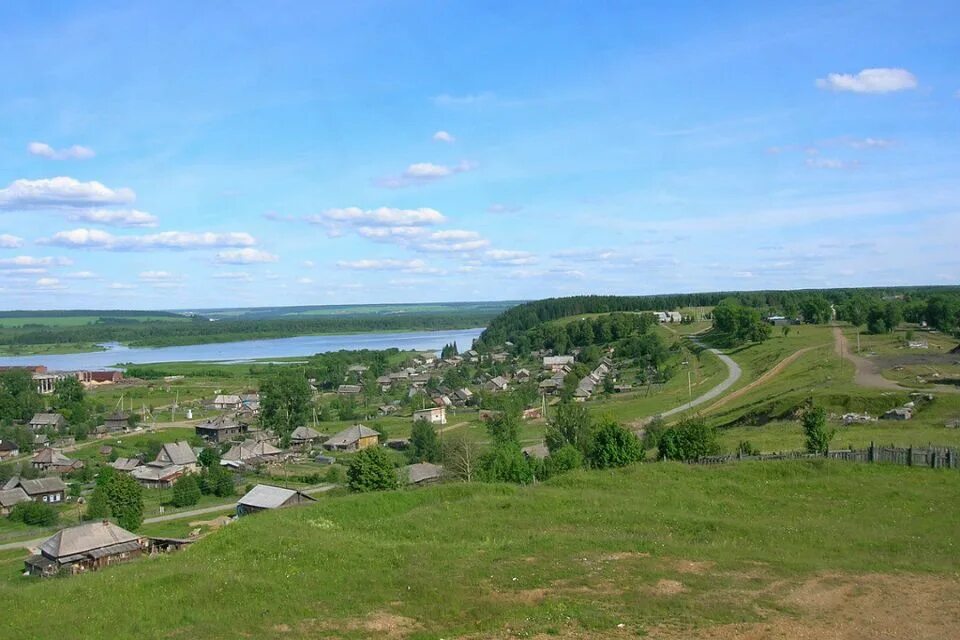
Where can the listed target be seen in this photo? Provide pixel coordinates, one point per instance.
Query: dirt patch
(668, 588)
(689, 566)
(620, 556)
(849, 607)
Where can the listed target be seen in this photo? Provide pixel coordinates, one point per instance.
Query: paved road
(733, 374)
(180, 515)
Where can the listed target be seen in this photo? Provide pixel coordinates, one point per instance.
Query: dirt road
(763, 379)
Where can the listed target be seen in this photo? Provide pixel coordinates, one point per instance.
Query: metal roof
(265, 496)
(87, 538)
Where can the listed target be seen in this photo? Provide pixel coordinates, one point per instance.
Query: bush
(424, 444)
(566, 458)
(371, 470)
(505, 463)
(37, 514)
(613, 446)
(689, 440)
(186, 491)
(746, 448)
(653, 432)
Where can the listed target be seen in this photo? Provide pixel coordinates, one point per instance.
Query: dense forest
(202, 330)
(878, 308)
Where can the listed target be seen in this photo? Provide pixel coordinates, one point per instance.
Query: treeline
(602, 330)
(75, 313)
(938, 306)
(163, 333)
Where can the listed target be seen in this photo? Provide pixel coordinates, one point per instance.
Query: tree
(125, 497)
(613, 446)
(691, 439)
(98, 507)
(209, 457)
(37, 514)
(186, 491)
(68, 392)
(215, 480)
(505, 427)
(284, 401)
(461, 457)
(371, 470)
(815, 430)
(19, 399)
(424, 444)
(570, 425)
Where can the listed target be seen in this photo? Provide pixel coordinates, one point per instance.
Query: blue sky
(176, 155)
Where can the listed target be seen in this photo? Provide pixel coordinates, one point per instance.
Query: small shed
(265, 496)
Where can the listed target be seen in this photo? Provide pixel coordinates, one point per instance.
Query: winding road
(733, 374)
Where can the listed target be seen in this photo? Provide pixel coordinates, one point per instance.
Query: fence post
(949, 458)
(910, 456)
(870, 454)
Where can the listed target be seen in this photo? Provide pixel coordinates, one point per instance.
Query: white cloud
(881, 80)
(444, 136)
(116, 217)
(245, 256)
(120, 286)
(61, 192)
(233, 275)
(870, 143)
(49, 283)
(512, 258)
(504, 208)
(304, 280)
(831, 163)
(388, 264)
(76, 152)
(97, 239)
(158, 276)
(309, 264)
(447, 100)
(30, 261)
(8, 241)
(381, 216)
(425, 172)
(81, 275)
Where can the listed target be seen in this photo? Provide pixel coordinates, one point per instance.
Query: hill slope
(650, 545)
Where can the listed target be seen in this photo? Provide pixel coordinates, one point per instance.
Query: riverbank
(49, 349)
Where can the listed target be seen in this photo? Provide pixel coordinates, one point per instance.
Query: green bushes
(613, 446)
(371, 470)
(36, 514)
(815, 430)
(689, 440)
(186, 491)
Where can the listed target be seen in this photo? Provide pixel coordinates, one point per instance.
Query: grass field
(655, 549)
(52, 320)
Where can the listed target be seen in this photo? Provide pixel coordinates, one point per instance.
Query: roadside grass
(583, 553)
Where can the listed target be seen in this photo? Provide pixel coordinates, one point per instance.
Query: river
(247, 349)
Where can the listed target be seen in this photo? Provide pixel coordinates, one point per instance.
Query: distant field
(77, 321)
(261, 313)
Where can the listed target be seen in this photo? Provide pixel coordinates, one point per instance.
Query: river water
(247, 349)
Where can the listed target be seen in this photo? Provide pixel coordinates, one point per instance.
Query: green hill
(643, 547)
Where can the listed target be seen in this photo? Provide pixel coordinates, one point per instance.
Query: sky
(195, 155)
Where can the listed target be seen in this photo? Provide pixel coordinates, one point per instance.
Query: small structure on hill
(227, 402)
(87, 547)
(9, 498)
(220, 429)
(421, 473)
(900, 413)
(8, 449)
(304, 437)
(250, 453)
(117, 421)
(265, 496)
(433, 415)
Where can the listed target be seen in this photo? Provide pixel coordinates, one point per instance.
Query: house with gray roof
(87, 547)
(179, 453)
(48, 459)
(250, 452)
(421, 473)
(125, 465)
(304, 437)
(43, 421)
(264, 496)
(49, 490)
(11, 497)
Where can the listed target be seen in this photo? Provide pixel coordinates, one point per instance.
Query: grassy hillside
(644, 547)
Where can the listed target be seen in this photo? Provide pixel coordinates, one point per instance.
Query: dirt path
(452, 427)
(763, 379)
(866, 373)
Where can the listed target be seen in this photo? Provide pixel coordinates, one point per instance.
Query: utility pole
(689, 386)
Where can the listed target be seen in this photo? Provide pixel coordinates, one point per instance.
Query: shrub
(424, 444)
(566, 458)
(689, 440)
(746, 448)
(186, 491)
(818, 437)
(613, 446)
(371, 470)
(505, 463)
(37, 514)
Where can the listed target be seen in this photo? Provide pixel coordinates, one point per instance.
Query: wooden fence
(930, 456)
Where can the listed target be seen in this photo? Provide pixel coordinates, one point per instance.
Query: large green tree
(613, 446)
(118, 496)
(284, 401)
(691, 439)
(817, 436)
(570, 425)
(19, 399)
(424, 443)
(371, 470)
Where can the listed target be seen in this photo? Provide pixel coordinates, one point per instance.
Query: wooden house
(87, 547)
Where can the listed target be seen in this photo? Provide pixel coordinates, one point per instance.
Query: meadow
(586, 554)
